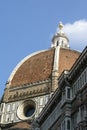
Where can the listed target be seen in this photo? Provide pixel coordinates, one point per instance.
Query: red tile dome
(35, 68)
(38, 67)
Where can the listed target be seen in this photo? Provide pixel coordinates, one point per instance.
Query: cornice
(24, 86)
(79, 65)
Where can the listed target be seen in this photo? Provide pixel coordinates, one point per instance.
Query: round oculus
(26, 110)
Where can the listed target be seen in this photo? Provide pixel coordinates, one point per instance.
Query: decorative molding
(27, 94)
(30, 85)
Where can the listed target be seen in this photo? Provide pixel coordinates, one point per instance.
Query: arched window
(68, 93)
(68, 124)
(57, 43)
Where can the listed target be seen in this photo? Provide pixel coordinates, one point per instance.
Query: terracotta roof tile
(21, 125)
(39, 67)
(36, 68)
(67, 58)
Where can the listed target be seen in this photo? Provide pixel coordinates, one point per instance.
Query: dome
(37, 74)
(34, 80)
(35, 67)
(39, 66)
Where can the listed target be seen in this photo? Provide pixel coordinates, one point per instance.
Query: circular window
(26, 110)
(29, 110)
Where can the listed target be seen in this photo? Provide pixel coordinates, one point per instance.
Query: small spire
(60, 38)
(60, 25)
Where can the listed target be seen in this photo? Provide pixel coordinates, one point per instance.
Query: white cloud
(77, 34)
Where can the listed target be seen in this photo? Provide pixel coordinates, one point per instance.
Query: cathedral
(47, 90)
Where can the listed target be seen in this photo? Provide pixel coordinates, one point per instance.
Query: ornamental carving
(31, 93)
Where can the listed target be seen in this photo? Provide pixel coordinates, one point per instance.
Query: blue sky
(27, 26)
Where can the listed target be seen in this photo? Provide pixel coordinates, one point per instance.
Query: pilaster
(55, 73)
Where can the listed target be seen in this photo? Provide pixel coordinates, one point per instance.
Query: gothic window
(57, 43)
(68, 93)
(74, 90)
(68, 124)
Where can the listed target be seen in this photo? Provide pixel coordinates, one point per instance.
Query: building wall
(9, 112)
(70, 112)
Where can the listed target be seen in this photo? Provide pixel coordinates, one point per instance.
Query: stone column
(55, 73)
